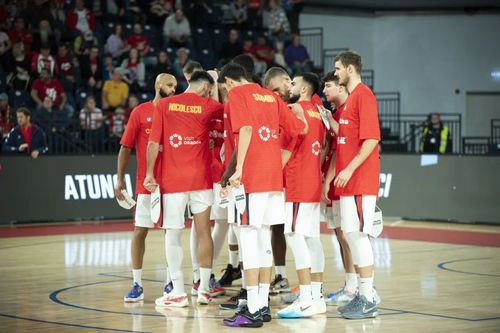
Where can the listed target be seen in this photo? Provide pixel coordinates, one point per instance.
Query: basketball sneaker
(319, 305)
(361, 309)
(168, 288)
(174, 301)
(204, 298)
(294, 294)
(244, 318)
(194, 288)
(236, 301)
(230, 274)
(265, 312)
(296, 310)
(215, 288)
(279, 285)
(340, 297)
(136, 294)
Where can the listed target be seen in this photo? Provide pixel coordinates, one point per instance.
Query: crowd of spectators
(81, 66)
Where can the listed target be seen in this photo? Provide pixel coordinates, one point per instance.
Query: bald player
(137, 134)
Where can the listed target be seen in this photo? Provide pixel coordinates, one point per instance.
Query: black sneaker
(230, 274)
(236, 301)
(266, 314)
(244, 318)
(279, 285)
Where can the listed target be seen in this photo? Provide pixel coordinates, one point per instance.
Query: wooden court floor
(75, 282)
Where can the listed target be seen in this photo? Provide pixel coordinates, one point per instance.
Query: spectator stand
(312, 39)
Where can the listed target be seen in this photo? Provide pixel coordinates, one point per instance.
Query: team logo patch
(148, 119)
(175, 140)
(316, 148)
(264, 133)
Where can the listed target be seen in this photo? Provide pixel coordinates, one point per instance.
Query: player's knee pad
(249, 239)
(300, 250)
(317, 254)
(364, 250)
(264, 247)
(174, 249)
(231, 235)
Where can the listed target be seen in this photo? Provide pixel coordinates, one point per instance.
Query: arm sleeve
(157, 124)
(131, 130)
(239, 115)
(369, 127)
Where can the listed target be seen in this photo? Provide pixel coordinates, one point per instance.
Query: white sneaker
(376, 297)
(319, 306)
(203, 298)
(295, 310)
(175, 301)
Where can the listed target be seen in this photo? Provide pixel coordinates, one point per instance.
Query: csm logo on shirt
(100, 186)
(176, 140)
(316, 148)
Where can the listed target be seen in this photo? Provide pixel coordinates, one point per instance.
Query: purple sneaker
(244, 318)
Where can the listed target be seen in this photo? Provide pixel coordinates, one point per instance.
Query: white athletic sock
(178, 282)
(243, 280)
(169, 279)
(205, 279)
(234, 258)
(137, 274)
(366, 288)
(281, 270)
(305, 295)
(316, 290)
(253, 298)
(359, 282)
(351, 282)
(193, 244)
(264, 294)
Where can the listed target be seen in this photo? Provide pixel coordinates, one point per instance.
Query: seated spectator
(179, 63)
(138, 40)
(65, 68)
(230, 48)
(279, 55)
(117, 123)
(248, 49)
(46, 85)
(176, 30)
(58, 17)
(114, 92)
(239, 13)
(44, 36)
(107, 70)
(50, 118)
(116, 44)
(43, 60)
(18, 67)
(91, 70)
(36, 11)
(255, 13)
(25, 138)
(6, 123)
(84, 42)
(79, 19)
(263, 52)
(159, 10)
(296, 56)
(5, 46)
(162, 65)
(20, 34)
(134, 70)
(277, 22)
(132, 102)
(91, 123)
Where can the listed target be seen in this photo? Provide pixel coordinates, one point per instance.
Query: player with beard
(137, 134)
(355, 174)
(303, 196)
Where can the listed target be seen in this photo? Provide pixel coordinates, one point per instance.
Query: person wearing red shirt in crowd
(46, 85)
(303, 196)
(80, 19)
(278, 81)
(181, 124)
(43, 60)
(5, 115)
(25, 138)
(20, 34)
(356, 177)
(65, 67)
(138, 40)
(137, 134)
(257, 118)
(263, 52)
(337, 94)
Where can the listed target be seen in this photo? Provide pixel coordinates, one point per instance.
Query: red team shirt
(137, 133)
(252, 105)
(181, 123)
(228, 137)
(332, 194)
(217, 135)
(303, 172)
(358, 122)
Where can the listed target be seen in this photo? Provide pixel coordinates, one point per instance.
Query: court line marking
(69, 324)
(442, 266)
(31, 244)
(441, 316)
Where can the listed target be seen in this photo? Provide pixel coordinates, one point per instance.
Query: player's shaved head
(165, 84)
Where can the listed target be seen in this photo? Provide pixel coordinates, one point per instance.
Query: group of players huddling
(292, 158)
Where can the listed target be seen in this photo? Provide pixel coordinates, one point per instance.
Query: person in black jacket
(25, 138)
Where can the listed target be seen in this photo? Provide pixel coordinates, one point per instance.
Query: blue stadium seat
(219, 37)
(202, 38)
(20, 98)
(80, 97)
(144, 97)
(206, 59)
(154, 35)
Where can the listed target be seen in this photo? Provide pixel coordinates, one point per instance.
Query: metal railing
(389, 110)
(476, 145)
(312, 39)
(410, 128)
(368, 78)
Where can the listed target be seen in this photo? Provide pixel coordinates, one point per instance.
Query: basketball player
(181, 123)
(277, 80)
(256, 119)
(356, 177)
(303, 196)
(137, 133)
